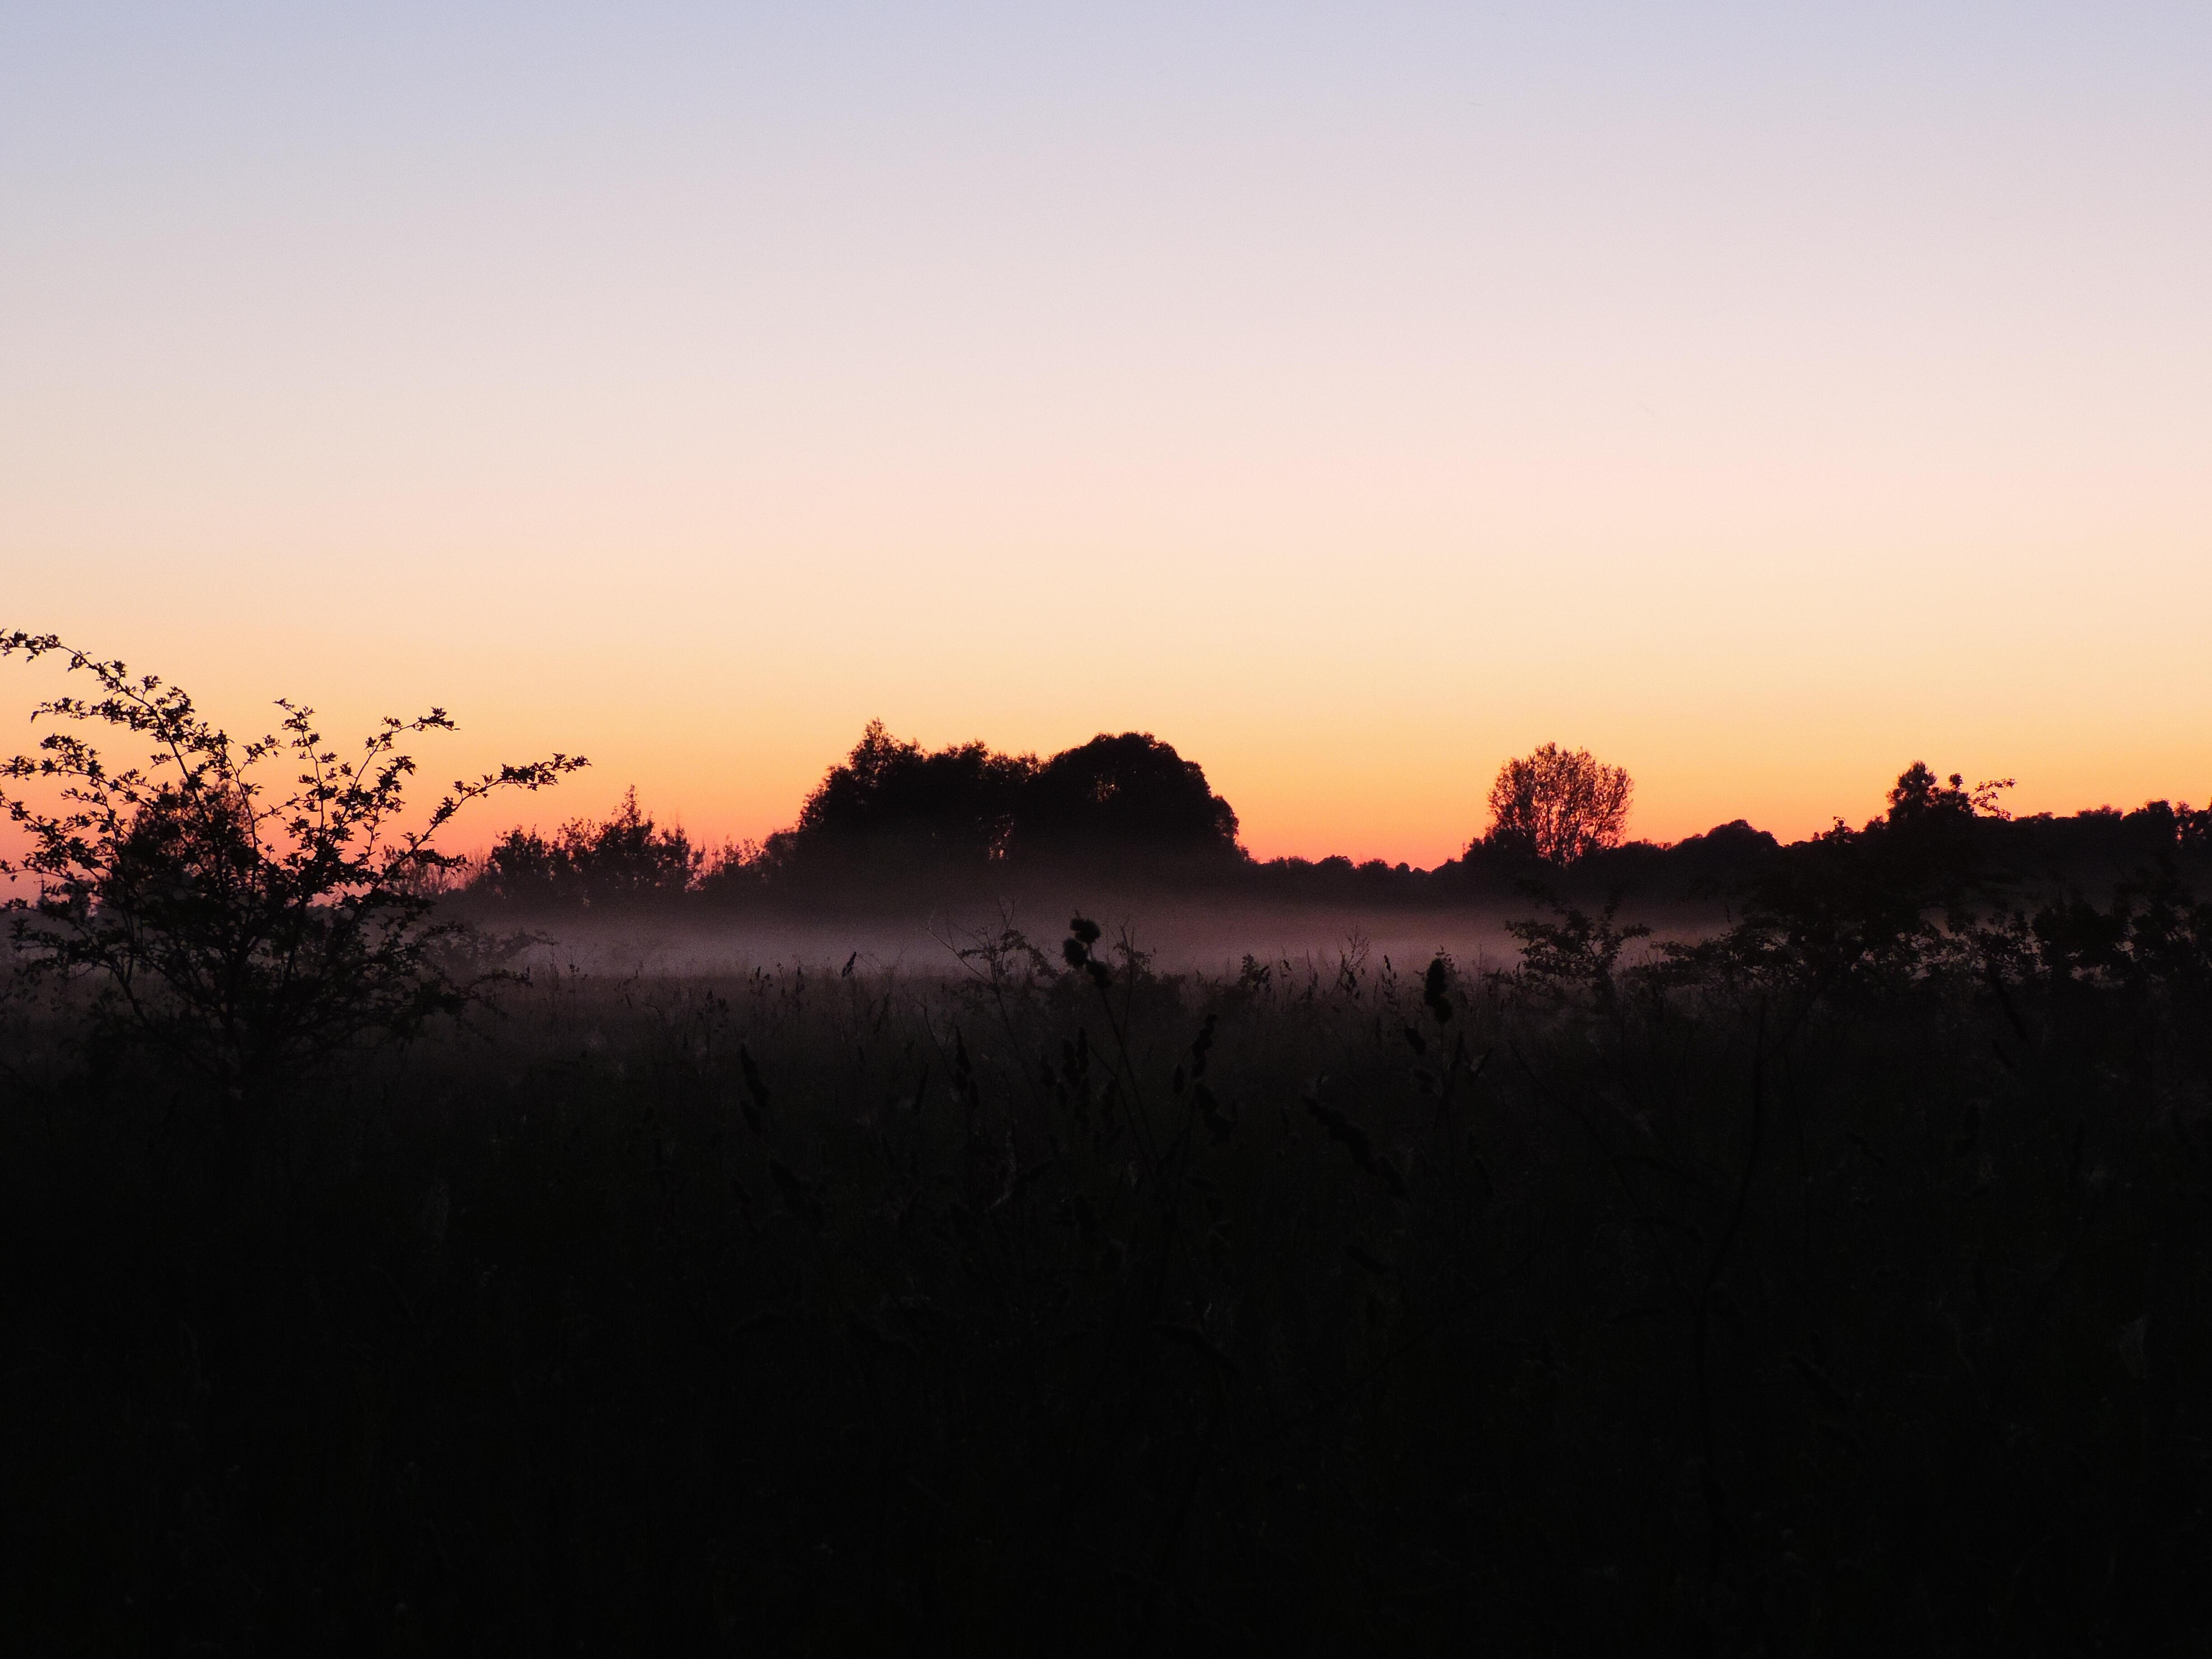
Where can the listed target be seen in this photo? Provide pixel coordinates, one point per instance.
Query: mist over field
(902, 858)
(1179, 934)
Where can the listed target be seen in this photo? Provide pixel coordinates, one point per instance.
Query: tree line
(1120, 805)
(892, 812)
(894, 815)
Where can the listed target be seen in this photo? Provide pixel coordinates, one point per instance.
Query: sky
(1760, 396)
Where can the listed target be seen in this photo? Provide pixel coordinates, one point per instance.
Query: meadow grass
(1370, 1305)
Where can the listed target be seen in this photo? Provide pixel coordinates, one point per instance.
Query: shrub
(247, 932)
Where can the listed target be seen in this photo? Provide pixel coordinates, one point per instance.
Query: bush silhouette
(247, 935)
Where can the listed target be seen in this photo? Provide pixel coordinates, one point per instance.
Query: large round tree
(1122, 797)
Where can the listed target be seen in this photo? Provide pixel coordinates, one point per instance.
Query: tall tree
(1556, 804)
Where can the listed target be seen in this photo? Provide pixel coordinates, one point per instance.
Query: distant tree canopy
(1558, 806)
(895, 815)
(1125, 793)
(894, 806)
(1918, 797)
(898, 807)
(622, 860)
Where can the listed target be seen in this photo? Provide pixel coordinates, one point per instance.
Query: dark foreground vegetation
(1751, 1301)
(1833, 1284)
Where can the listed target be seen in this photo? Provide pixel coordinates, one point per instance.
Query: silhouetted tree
(624, 859)
(895, 807)
(1872, 907)
(1125, 797)
(628, 857)
(1556, 804)
(247, 935)
(525, 866)
(1917, 797)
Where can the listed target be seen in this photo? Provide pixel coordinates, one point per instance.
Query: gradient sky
(1761, 397)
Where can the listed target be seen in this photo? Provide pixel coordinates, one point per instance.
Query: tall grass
(1378, 1306)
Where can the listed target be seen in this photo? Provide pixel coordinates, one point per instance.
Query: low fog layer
(1179, 935)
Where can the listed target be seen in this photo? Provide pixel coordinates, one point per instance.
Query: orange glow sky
(1350, 396)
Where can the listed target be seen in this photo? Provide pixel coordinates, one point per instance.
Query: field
(1690, 1301)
